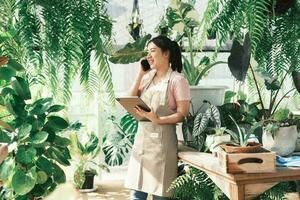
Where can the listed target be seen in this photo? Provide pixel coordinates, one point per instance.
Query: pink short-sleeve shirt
(178, 89)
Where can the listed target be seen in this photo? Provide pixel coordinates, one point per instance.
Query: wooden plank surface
(207, 162)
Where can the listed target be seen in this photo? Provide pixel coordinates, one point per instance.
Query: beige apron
(153, 162)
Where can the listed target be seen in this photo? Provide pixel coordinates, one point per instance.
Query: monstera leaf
(132, 52)
(296, 79)
(239, 58)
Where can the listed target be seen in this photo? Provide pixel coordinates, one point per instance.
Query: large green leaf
(56, 123)
(39, 137)
(25, 155)
(58, 174)
(44, 164)
(21, 86)
(13, 64)
(239, 59)
(4, 137)
(61, 141)
(23, 182)
(6, 168)
(24, 131)
(92, 144)
(40, 106)
(41, 177)
(6, 73)
(59, 156)
(132, 52)
(6, 91)
(55, 108)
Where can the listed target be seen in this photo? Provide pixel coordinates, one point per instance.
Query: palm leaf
(132, 52)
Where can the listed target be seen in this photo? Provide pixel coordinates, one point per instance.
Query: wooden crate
(236, 163)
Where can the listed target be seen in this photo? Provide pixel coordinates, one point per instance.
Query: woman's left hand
(149, 115)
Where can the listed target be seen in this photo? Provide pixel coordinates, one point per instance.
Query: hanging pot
(283, 142)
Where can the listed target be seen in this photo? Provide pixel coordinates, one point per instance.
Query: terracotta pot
(212, 141)
(284, 141)
(252, 148)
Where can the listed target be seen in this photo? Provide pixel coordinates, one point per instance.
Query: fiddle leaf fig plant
(36, 145)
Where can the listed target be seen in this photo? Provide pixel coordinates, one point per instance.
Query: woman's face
(156, 57)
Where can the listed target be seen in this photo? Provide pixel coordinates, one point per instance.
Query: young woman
(153, 163)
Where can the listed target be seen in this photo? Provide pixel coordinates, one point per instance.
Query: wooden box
(236, 163)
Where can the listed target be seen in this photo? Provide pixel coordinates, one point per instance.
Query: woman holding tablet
(153, 162)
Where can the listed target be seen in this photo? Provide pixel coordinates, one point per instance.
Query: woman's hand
(149, 115)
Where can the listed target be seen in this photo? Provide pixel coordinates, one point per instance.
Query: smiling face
(156, 58)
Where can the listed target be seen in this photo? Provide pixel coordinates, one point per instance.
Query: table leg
(237, 192)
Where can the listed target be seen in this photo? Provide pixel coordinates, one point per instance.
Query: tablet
(130, 102)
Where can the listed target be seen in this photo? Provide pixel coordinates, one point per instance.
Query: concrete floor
(107, 190)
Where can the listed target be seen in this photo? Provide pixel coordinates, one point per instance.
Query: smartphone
(145, 65)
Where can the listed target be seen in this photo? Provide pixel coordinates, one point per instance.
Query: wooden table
(236, 186)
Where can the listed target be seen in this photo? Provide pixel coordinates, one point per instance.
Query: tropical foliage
(58, 40)
(273, 29)
(118, 143)
(196, 185)
(33, 132)
(199, 124)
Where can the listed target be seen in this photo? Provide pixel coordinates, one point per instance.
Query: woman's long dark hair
(165, 44)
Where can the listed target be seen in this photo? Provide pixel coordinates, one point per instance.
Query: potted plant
(243, 141)
(218, 136)
(85, 153)
(33, 133)
(280, 132)
(204, 127)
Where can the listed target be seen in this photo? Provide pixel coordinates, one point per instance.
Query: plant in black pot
(86, 167)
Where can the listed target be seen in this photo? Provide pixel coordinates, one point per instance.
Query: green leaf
(25, 155)
(22, 182)
(41, 177)
(21, 86)
(92, 144)
(61, 141)
(6, 73)
(24, 131)
(6, 168)
(132, 52)
(40, 106)
(13, 64)
(6, 91)
(281, 114)
(58, 156)
(4, 137)
(39, 137)
(56, 123)
(56, 108)
(58, 175)
(44, 164)
(228, 96)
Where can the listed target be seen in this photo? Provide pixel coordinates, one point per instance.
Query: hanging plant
(58, 40)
